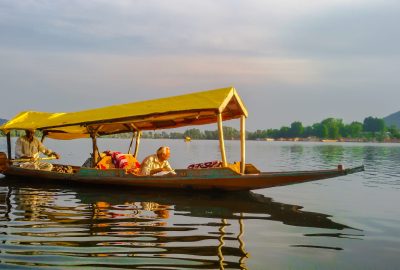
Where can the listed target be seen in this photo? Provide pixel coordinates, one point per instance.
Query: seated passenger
(157, 164)
(29, 147)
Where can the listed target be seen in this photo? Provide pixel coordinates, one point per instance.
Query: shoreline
(346, 140)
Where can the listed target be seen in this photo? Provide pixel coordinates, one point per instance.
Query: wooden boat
(213, 106)
(329, 140)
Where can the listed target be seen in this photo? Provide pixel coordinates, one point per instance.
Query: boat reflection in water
(79, 227)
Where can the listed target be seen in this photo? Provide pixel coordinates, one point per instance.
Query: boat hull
(198, 179)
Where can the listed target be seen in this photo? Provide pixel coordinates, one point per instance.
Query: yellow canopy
(164, 113)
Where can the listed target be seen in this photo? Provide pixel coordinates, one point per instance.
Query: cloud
(120, 73)
(363, 30)
(287, 58)
(49, 81)
(153, 27)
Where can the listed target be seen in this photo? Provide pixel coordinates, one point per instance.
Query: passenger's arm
(154, 171)
(167, 167)
(46, 151)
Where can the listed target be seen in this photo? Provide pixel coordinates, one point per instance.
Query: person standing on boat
(29, 147)
(157, 164)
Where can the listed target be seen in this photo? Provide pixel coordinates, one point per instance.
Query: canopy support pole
(93, 133)
(221, 140)
(95, 149)
(43, 137)
(130, 145)
(138, 135)
(9, 145)
(242, 143)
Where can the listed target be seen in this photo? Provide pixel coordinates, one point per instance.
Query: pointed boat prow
(351, 170)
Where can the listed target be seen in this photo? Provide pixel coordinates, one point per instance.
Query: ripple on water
(78, 228)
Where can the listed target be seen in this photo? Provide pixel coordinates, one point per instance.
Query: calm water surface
(350, 222)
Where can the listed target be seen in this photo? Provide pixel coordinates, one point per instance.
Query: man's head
(163, 153)
(29, 133)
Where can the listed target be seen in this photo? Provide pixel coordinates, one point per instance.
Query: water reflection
(331, 153)
(136, 229)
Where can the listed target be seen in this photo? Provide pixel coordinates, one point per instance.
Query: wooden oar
(28, 159)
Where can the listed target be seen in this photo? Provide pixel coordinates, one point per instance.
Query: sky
(289, 60)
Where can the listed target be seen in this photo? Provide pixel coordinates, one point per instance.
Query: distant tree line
(19, 133)
(371, 129)
(15, 133)
(194, 133)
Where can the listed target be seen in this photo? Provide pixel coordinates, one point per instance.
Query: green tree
(211, 135)
(333, 127)
(272, 133)
(308, 132)
(284, 132)
(320, 130)
(353, 130)
(374, 124)
(176, 135)
(256, 134)
(193, 133)
(296, 129)
(231, 133)
(147, 135)
(394, 132)
(164, 135)
(324, 131)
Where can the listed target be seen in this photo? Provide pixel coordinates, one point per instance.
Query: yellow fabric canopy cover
(164, 113)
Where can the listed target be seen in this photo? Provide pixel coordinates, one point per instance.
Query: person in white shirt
(157, 164)
(29, 147)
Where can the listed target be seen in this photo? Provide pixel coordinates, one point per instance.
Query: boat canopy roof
(164, 113)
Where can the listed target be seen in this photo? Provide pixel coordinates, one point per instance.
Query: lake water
(349, 222)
